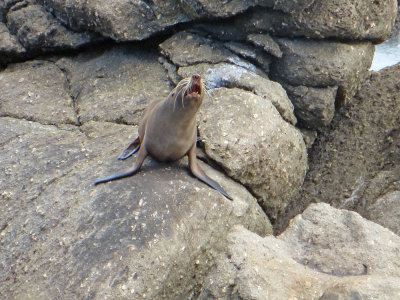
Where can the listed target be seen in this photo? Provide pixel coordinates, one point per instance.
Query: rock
(309, 137)
(10, 48)
(360, 153)
(246, 136)
(323, 64)
(266, 42)
(127, 21)
(211, 9)
(186, 48)
(343, 19)
(37, 30)
(385, 210)
(324, 254)
(314, 107)
(120, 20)
(256, 56)
(227, 75)
(115, 84)
(36, 90)
(150, 236)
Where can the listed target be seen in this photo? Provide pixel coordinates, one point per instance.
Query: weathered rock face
(324, 254)
(163, 234)
(324, 64)
(361, 154)
(36, 91)
(59, 232)
(355, 20)
(262, 140)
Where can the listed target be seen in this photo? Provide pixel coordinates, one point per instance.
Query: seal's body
(167, 131)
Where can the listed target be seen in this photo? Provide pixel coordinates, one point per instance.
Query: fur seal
(167, 131)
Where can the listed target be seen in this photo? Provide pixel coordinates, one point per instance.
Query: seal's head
(189, 91)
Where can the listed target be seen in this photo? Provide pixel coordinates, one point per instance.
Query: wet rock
(324, 254)
(259, 57)
(245, 134)
(344, 19)
(324, 63)
(152, 235)
(115, 84)
(227, 75)
(266, 42)
(38, 91)
(314, 107)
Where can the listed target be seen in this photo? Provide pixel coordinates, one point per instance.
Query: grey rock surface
(344, 19)
(245, 134)
(314, 107)
(324, 254)
(38, 30)
(115, 84)
(324, 63)
(37, 91)
(148, 236)
(10, 48)
(360, 153)
(266, 42)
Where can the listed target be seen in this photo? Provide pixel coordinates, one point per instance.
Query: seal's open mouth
(195, 88)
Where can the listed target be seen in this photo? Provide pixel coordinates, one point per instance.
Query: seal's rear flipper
(132, 149)
(199, 173)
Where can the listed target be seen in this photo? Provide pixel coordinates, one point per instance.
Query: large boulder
(152, 235)
(324, 63)
(324, 254)
(344, 19)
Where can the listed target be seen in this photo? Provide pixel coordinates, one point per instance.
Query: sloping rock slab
(152, 235)
(115, 84)
(324, 254)
(38, 91)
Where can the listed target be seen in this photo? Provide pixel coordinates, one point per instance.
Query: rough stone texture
(36, 90)
(227, 75)
(120, 20)
(324, 254)
(256, 56)
(314, 107)
(149, 235)
(324, 63)
(344, 19)
(266, 42)
(126, 20)
(37, 30)
(115, 84)
(245, 134)
(10, 48)
(360, 152)
(186, 48)
(385, 210)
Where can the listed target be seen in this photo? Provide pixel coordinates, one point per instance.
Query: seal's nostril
(196, 76)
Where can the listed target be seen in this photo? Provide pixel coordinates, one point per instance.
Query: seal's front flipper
(128, 172)
(132, 149)
(199, 173)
